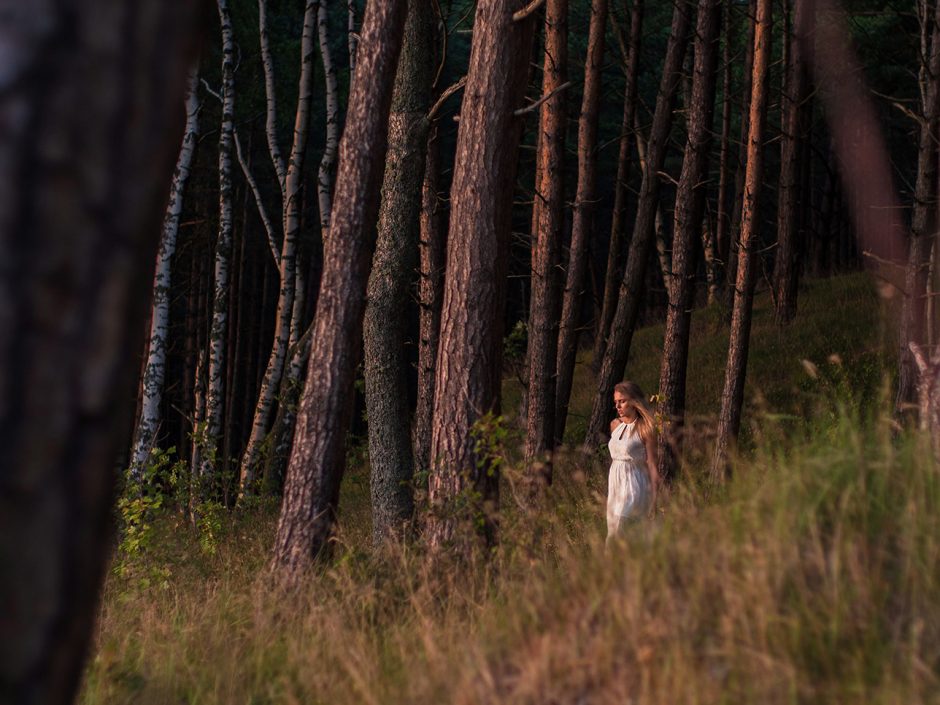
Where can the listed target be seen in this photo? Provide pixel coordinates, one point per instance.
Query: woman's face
(621, 403)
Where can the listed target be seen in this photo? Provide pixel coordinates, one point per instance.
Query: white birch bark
(293, 183)
(215, 386)
(155, 371)
(353, 37)
(270, 123)
(328, 162)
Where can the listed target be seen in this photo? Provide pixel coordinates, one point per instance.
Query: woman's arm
(653, 467)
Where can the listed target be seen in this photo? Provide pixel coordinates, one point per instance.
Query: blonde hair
(636, 397)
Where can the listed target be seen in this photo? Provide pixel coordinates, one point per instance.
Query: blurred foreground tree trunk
(317, 459)
(82, 194)
(732, 396)
(469, 359)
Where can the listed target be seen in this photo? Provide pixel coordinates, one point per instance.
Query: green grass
(812, 577)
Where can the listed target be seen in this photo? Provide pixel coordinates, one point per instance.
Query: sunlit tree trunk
(546, 240)
(618, 223)
(291, 217)
(470, 350)
(389, 290)
(690, 202)
(86, 160)
(311, 491)
(628, 302)
(732, 396)
(155, 371)
(583, 217)
(215, 383)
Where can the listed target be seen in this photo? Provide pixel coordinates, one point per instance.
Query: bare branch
(527, 10)
(536, 104)
(444, 96)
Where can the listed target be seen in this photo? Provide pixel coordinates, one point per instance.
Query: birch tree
(311, 491)
(78, 242)
(155, 370)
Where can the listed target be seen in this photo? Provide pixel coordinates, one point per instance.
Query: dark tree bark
(722, 218)
(548, 221)
(690, 202)
(317, 459)
(732, 396)
(470, 350)
(82, 195)
(386, 363)
(628, 302)
(583, 217)
(923, 224)
(618, 224)
(430, 296)
(790, 207)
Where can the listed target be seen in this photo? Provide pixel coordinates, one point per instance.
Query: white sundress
(628, 484)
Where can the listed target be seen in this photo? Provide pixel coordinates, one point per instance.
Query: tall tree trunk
(316, 468)
(155, 371)
(291, 216)
(388, 293)
(468, 373)
(583, 218)
(351, 37)
(618, 223)
(732, 396)
(628, 303)
(548, 221)
(430, 296)
(690, 201)
(795, 95)
(215, 385)
(723, 219)
(923, 223)
(86, 159)
(659, 222)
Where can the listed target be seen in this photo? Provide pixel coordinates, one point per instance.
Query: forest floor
(813, 576)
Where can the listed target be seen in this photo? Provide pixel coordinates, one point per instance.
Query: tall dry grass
(812, 577)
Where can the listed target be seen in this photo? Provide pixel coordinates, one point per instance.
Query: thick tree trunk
(548, 221)
(583, 217)
(311, 491)
(291, 217)
(790, 207)
(923, 224)
(155, 370)
(690, 202)
(618, 224)
(468, 372)
(430, 296)
(386, 363)
(215, 384)
(732, 396)
(628, 303)
(86, 158)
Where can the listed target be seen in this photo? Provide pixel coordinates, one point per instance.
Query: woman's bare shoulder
(614, 424)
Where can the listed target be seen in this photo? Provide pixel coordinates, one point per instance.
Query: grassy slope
(813, 577)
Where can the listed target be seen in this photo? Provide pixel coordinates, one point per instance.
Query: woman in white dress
(634, 477)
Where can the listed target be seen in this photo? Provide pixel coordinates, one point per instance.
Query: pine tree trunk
(389, 290)
(311, 491)
(86, 160)
(469, 357)
(628, 302)
(430, 296)
(583, 217)
(789, 207)
(690, 201)
(548, 221)
(732, 396)
(618, 224)
(215, 384)
(923, 224)
(155, 370)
